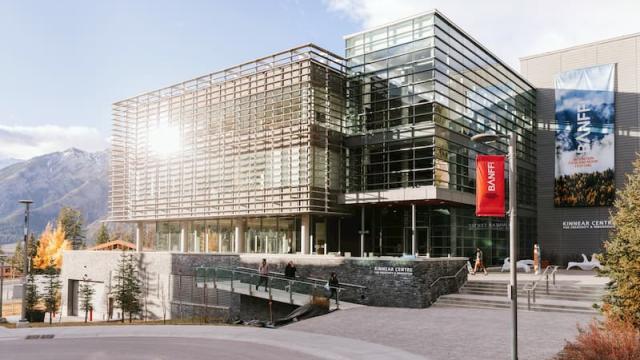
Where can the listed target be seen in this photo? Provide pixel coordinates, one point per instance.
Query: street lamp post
(2, 258)
(25, 268)
(513, 231)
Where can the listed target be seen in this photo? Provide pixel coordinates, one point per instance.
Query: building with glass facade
(417, 90)
(304, 151)
(247, 159)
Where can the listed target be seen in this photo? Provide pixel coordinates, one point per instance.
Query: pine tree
(51, 296)
(128, 288)
(622, 252)
(73, 225)
(103, 235)
(86, 298)
(31, 298)
(17, 260)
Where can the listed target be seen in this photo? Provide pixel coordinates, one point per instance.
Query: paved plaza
(451, 333)
(187, 342)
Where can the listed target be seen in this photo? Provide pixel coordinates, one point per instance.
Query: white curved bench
(586, 265)
(522, 264)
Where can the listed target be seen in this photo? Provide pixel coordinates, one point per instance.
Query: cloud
(25, 142)
(510, 29)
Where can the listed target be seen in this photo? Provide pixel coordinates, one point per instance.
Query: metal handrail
(255, 272)
(314, 283)
(308, 279)
(449, 276)
(341, 283)
(531, 288)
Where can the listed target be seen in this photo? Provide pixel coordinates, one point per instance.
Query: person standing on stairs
(536, 258)
(479, 262)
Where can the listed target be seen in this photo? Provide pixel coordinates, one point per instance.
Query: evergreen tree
(103, 235)
(622, 252)
(31, 298)
(86, 298)
(73, 226)
(51, 296)
(17, 260)
(128, 288)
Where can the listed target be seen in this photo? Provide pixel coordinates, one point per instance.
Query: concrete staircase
(566, 297)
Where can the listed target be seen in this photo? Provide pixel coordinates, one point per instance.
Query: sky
(63, 63)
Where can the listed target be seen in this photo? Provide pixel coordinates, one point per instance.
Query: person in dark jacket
(263, 269)
(333, 286)
(290, 271)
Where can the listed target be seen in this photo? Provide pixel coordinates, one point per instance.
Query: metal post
(513, 233)
(25, 270)
(547, 276)
(362, 232)
(1, 287)
(414, 244)
(290, 291)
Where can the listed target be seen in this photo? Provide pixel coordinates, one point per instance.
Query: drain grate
(38, 337)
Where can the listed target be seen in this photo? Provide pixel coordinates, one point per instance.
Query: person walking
(264, 273)
(290, 271)
(334, 284)
(479, 263)
(536, 258)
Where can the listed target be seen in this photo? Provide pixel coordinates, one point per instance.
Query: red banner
(490, 185)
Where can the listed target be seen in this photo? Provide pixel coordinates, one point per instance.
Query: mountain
(4, 162)
(73, 178)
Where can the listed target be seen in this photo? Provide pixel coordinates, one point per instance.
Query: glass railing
(273, 286)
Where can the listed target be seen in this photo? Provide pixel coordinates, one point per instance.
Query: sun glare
(164, 140)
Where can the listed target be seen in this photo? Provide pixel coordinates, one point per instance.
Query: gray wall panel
(563, 245)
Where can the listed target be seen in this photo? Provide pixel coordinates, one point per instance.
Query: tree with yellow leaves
(49, 252)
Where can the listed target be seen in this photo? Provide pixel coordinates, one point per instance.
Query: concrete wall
(563, 245)
(384, 288)
(168, 283)
(100, 266)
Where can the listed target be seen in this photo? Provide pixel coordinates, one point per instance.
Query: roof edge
(575, 47)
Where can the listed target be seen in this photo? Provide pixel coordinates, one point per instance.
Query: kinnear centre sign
(586, 224)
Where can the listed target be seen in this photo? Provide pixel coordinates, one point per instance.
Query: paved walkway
(193, 342)
(451, 333)
(276, 294)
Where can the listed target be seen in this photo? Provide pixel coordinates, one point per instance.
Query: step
(523, 306)
(521, 300)
(539, 294)
(558, 285)
(539, 288)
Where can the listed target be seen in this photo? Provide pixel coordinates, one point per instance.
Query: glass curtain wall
(417, 90)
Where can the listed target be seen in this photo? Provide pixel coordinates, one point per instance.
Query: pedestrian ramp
(299, 291)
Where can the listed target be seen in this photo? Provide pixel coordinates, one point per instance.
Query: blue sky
(64, 62)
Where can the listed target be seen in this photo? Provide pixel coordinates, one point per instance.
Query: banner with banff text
(490, 185)
(585, 116)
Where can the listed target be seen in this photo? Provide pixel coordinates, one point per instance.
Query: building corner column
(414, 242)
(305, 243)
(139, 226)
(183, 238)
(239, 235)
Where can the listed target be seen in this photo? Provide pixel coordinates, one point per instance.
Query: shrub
(622, 251)
(611, 340)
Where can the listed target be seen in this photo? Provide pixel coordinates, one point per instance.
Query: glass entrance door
(423, 240)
